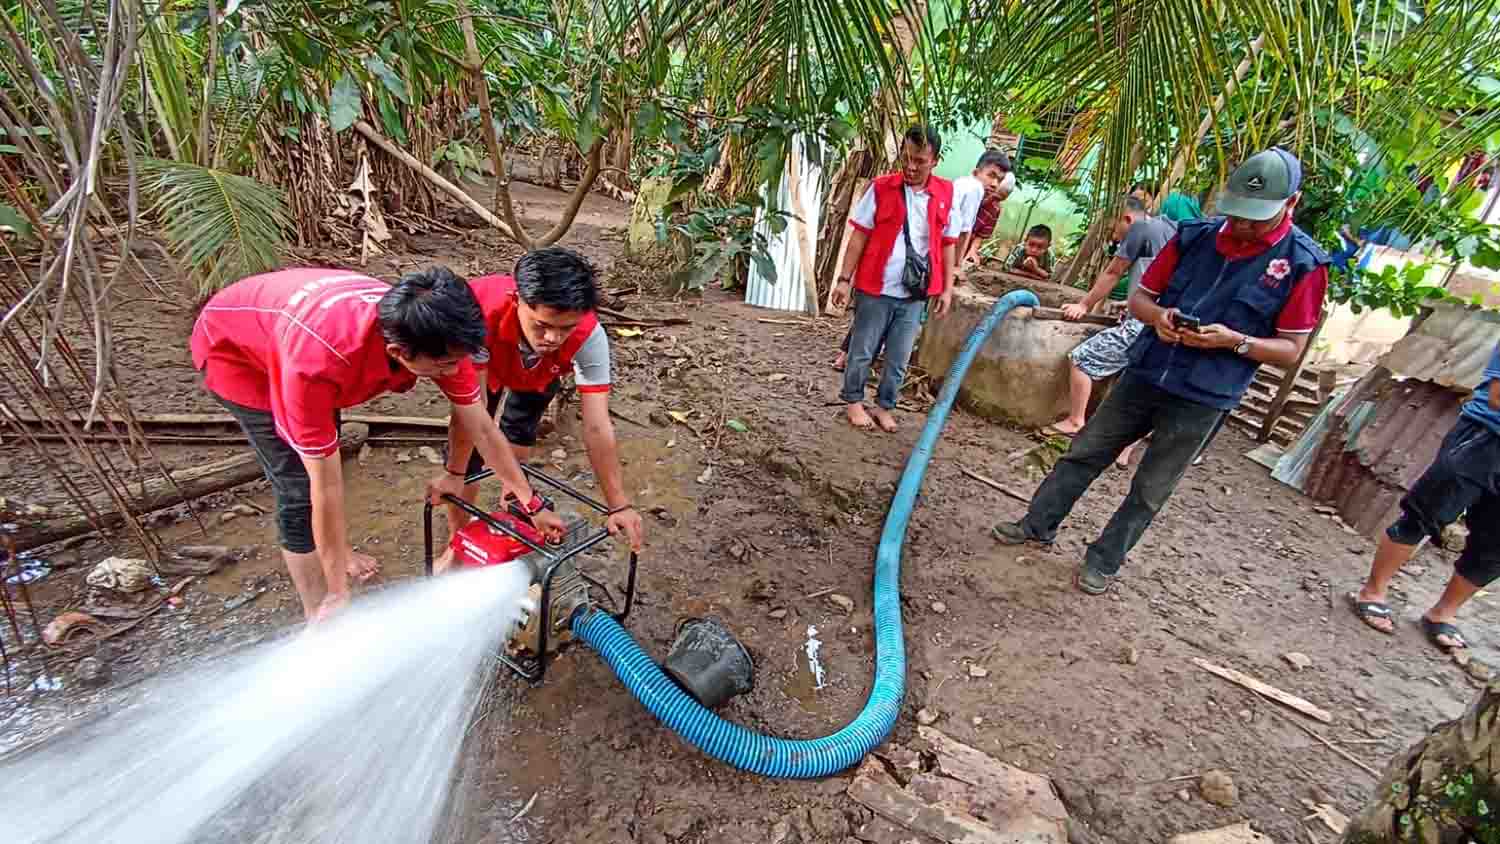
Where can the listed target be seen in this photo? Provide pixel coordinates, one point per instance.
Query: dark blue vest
(1239, 294)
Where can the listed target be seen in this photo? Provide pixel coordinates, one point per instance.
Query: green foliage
(719, 235)
(11, 220)
(463, 158)
(1463, 806)
(344, 106)
(223, 226)
(1403, 291)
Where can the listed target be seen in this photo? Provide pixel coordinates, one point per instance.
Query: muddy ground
(1099, 693)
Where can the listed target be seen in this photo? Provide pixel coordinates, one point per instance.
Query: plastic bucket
(708, 662)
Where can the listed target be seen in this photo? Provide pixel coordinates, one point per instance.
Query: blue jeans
(1133, 408)
(880, 320)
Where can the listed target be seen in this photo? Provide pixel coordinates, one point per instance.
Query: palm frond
(223, 226)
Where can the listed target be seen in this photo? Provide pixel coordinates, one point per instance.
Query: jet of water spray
(348, 732)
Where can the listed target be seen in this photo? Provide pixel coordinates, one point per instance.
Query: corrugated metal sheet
(1450, 348)
(797, 245)
(1381, 438)
(1293, 467)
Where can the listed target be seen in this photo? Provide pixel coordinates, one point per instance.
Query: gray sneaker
(1009, 533)
(1092, 582)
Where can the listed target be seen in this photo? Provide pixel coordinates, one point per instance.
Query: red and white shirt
(514, 365)
(301, 344)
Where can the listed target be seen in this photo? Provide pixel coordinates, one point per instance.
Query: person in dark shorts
(1465, 478)
(285, 351)
(539, 322)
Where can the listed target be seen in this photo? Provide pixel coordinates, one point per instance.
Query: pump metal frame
(533, 670)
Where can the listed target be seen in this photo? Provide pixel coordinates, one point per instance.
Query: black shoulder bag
(917, 271)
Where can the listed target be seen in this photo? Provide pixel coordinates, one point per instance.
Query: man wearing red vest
(903, 222)
(285, 351)
(537, 323)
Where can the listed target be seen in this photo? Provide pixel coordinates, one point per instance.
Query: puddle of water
(810, 678)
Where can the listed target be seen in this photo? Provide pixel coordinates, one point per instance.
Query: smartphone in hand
(1186, 322)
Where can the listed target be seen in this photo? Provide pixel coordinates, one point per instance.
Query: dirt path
(1100, 693)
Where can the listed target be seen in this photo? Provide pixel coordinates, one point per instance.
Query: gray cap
(1258, 188)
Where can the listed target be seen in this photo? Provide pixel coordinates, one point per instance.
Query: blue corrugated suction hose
(820, 757)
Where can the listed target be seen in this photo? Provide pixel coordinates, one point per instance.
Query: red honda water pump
(559, 588)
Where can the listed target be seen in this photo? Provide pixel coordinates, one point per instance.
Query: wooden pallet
(1307, 396)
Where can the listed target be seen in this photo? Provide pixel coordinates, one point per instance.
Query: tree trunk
(1186, 150)
(1097, 235)
(1423, 797)
(474, 69)
(841, 195)
(804, 238)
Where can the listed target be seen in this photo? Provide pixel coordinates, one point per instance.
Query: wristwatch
(843, 279)
(1244, 345)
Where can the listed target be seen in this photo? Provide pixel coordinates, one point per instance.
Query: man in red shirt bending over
(538, 322)
(285, 351)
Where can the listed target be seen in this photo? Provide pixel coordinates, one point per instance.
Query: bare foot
(332, 605)
(442, 562)
(362, 567)
(1123, 461)
(886, 421)
(858, 417)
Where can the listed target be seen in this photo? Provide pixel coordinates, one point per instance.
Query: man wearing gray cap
(1224, 296)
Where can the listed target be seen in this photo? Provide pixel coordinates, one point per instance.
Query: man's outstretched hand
(1074, 311)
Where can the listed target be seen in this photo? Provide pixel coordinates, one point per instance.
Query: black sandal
(1434, 629)
(1367, 610)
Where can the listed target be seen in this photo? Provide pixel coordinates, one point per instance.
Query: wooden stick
(1265, 690)
(994, 484)
(821, 592)
(782, 321)
(1057, 314)
(1331, 746)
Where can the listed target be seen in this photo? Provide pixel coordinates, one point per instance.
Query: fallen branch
(1265, 690)
(154, 494)
(996, 485)
(621, 316)
(798, 322)
(434, 178)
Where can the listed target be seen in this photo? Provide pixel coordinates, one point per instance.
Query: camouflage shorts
(1107, 352)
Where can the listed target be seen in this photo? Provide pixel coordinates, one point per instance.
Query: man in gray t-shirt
(1143, 241)
(1142, 237)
